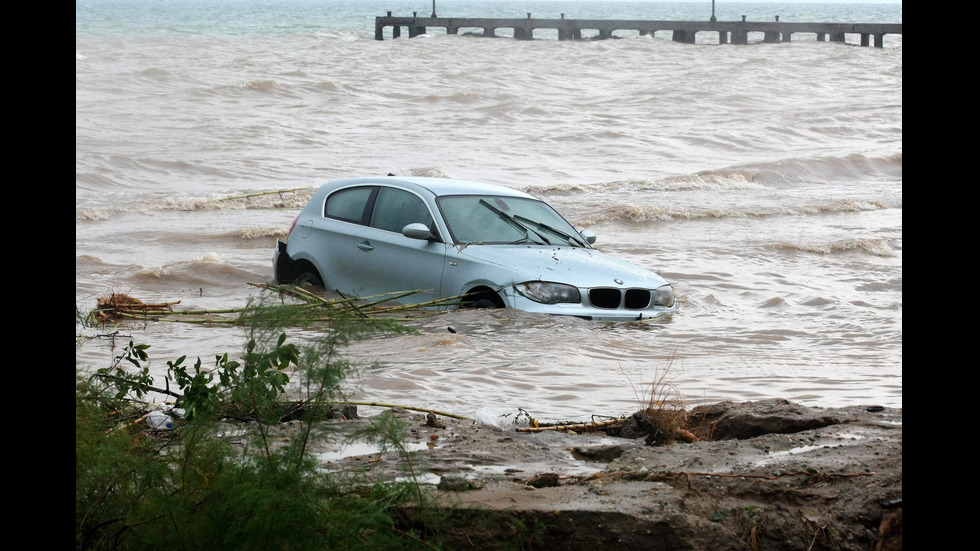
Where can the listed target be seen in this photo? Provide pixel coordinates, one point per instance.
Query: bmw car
(436, 238)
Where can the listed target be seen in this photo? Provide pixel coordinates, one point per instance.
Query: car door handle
(365, 246)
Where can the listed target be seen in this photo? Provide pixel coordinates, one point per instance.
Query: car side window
(394, 209)
(349, 205)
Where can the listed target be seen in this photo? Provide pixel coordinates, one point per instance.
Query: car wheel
(483, 303)
(309, 279)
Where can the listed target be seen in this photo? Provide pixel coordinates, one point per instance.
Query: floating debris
(312, 307)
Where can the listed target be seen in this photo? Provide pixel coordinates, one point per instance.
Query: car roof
(437, 186)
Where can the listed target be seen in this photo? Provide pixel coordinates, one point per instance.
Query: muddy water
(764, 182)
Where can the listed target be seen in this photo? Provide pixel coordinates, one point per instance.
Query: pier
(728, 32)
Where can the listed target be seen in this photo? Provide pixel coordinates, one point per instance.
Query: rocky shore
(774, 476)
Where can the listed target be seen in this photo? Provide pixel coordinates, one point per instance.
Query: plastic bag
(158, 420)
(503, 417)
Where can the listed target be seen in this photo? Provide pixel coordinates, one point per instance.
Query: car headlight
(549, 293)
(664, 297)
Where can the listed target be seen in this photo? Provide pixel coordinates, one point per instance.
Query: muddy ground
(775, 475)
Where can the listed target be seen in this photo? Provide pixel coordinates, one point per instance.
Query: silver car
(493, 246)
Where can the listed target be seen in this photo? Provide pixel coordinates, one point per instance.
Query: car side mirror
(416, 231)
(588, 236)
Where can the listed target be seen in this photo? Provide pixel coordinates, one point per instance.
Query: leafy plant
(191, 488)
(124, 382)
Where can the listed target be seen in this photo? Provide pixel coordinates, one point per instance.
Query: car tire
(309, 279)
(482, 303)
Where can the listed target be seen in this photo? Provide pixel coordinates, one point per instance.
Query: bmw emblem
(618, 281)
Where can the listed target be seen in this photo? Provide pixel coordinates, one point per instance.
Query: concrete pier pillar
(865, 39)
(722, 37)
(837, 37)
(878, 40)
(396, 31)
(770, 37)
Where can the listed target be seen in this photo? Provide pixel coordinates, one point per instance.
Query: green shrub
(189, 488)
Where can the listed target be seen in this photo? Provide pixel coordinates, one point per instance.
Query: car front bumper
(585, 311)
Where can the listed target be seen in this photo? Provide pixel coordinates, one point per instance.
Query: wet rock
(599, 453)
(734, 420)
(452, 483)
(432, 420)
(544, 480)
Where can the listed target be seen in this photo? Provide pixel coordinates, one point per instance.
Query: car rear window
(348, 204)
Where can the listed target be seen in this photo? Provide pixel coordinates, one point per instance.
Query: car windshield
(492, 219)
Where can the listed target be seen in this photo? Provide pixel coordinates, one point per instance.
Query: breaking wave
(656, 213)
(203, 269)
(260, 233)
(874, 247)
(749, 177)
(281, 199)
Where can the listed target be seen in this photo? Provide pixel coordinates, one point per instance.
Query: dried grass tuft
(664, 418)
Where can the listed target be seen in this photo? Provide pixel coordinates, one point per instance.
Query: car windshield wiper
(571, 239)
(510, 220)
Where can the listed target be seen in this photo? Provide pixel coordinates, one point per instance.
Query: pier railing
(733, 32)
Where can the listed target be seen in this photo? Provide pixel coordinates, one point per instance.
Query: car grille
(607, 297)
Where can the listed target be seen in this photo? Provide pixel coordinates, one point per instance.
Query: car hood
(573, 265)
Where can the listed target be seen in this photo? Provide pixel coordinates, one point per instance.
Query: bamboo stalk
(389, 297)
(378, 404)
(181, 313)
(612, 423)
(314, 304)
(434, 302)
(250, 195)
(153, 318)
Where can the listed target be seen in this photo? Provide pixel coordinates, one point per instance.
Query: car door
(385, 261)
(344, 212)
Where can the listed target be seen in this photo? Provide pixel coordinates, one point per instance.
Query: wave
(874, 247)
(656, 213)
(261, 85)
(203, 269)
(706, 180)
(752, 176)
(423, 172)
(260, 233)
(288, 199)
(279, 199)
(156, 74)
(461, 97)
(823, 169)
